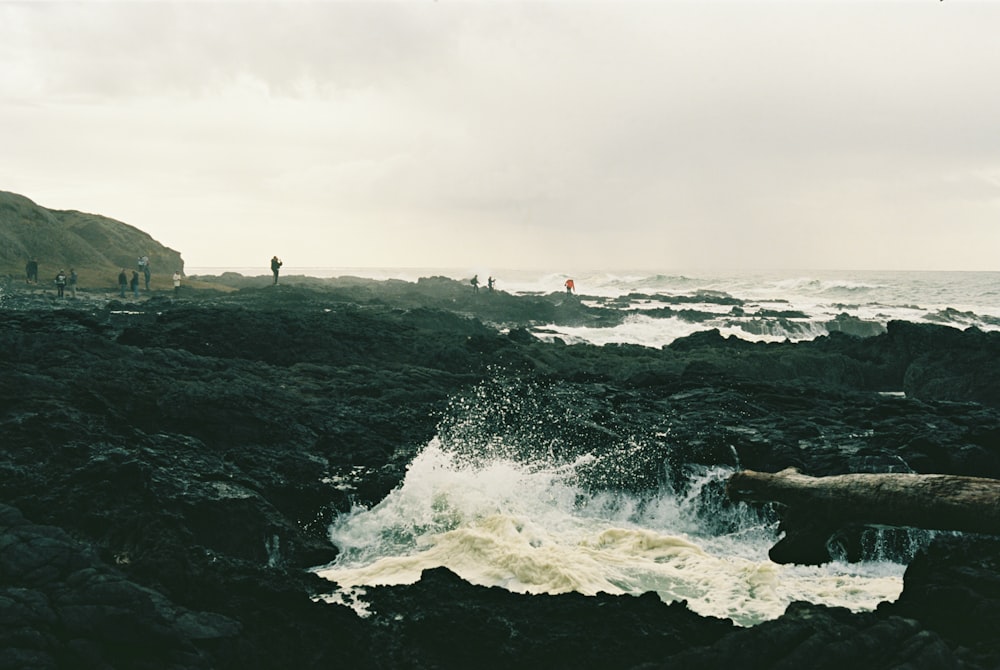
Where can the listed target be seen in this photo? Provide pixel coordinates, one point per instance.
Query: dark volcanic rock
(469, 626)
(62, 607)
(812, 636)
(180, 462)
(955, 588)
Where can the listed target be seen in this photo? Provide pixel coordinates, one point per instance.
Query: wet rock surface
(169, 469)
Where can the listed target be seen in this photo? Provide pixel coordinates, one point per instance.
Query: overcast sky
(561, 136)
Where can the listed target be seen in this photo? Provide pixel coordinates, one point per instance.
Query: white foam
(529, 528)
(635, 329)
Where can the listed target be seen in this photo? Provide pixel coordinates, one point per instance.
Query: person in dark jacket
(122, 282)
(275, 266)
(61, 283)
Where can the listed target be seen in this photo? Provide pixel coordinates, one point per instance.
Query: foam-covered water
(774, 306)
(533, 528)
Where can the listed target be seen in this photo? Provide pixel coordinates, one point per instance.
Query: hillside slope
(64, 239)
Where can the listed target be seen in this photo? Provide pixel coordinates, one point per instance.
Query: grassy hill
(98, 247)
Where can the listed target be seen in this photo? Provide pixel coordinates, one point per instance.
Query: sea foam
(530, 528)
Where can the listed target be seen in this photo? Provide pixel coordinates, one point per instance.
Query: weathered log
(817, 506)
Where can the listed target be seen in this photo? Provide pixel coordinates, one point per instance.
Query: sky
(556, 136)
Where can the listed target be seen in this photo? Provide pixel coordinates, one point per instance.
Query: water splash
(534, 529)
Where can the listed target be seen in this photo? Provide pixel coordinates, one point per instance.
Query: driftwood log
(815, 507)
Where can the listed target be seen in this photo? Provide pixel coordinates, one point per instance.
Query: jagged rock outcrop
(194, 452)
(61, 606)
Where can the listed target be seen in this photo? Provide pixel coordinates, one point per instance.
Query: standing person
(31, 272)
(490, 282)
(475, 283)
(146, 271)
(122, 282)
(71, 282)
(177, 282)
(275, 266)
(61, 283)
(135, 283)
(570, 286)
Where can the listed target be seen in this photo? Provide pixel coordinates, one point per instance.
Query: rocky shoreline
(170, 468)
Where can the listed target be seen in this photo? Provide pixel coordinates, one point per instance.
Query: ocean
(532, 526)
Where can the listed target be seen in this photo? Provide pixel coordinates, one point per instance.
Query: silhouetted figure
(177, 282)
(570, 286)
(31, 272)
(490, 282)
(122, 282)
(146, 271)
(61, 283)
(275, 267)
(71, 282)
(135, 283)
(475, 283)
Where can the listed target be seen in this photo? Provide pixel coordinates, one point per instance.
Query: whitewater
(533, 525)
(531, 528)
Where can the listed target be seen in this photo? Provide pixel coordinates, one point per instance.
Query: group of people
(490, 283)
(125, 282)
(132, 283)
(62, 280)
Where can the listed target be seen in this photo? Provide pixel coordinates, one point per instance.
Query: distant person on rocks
(146, 272)
(177, 282)
(275, 267)
(570, 286)
(61, 283)
(122, 282)
(71, 282)
(31, 272)
(135, 283)
(475, 283)
(490, 282)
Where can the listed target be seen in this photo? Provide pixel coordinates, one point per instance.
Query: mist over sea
(503, 514)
